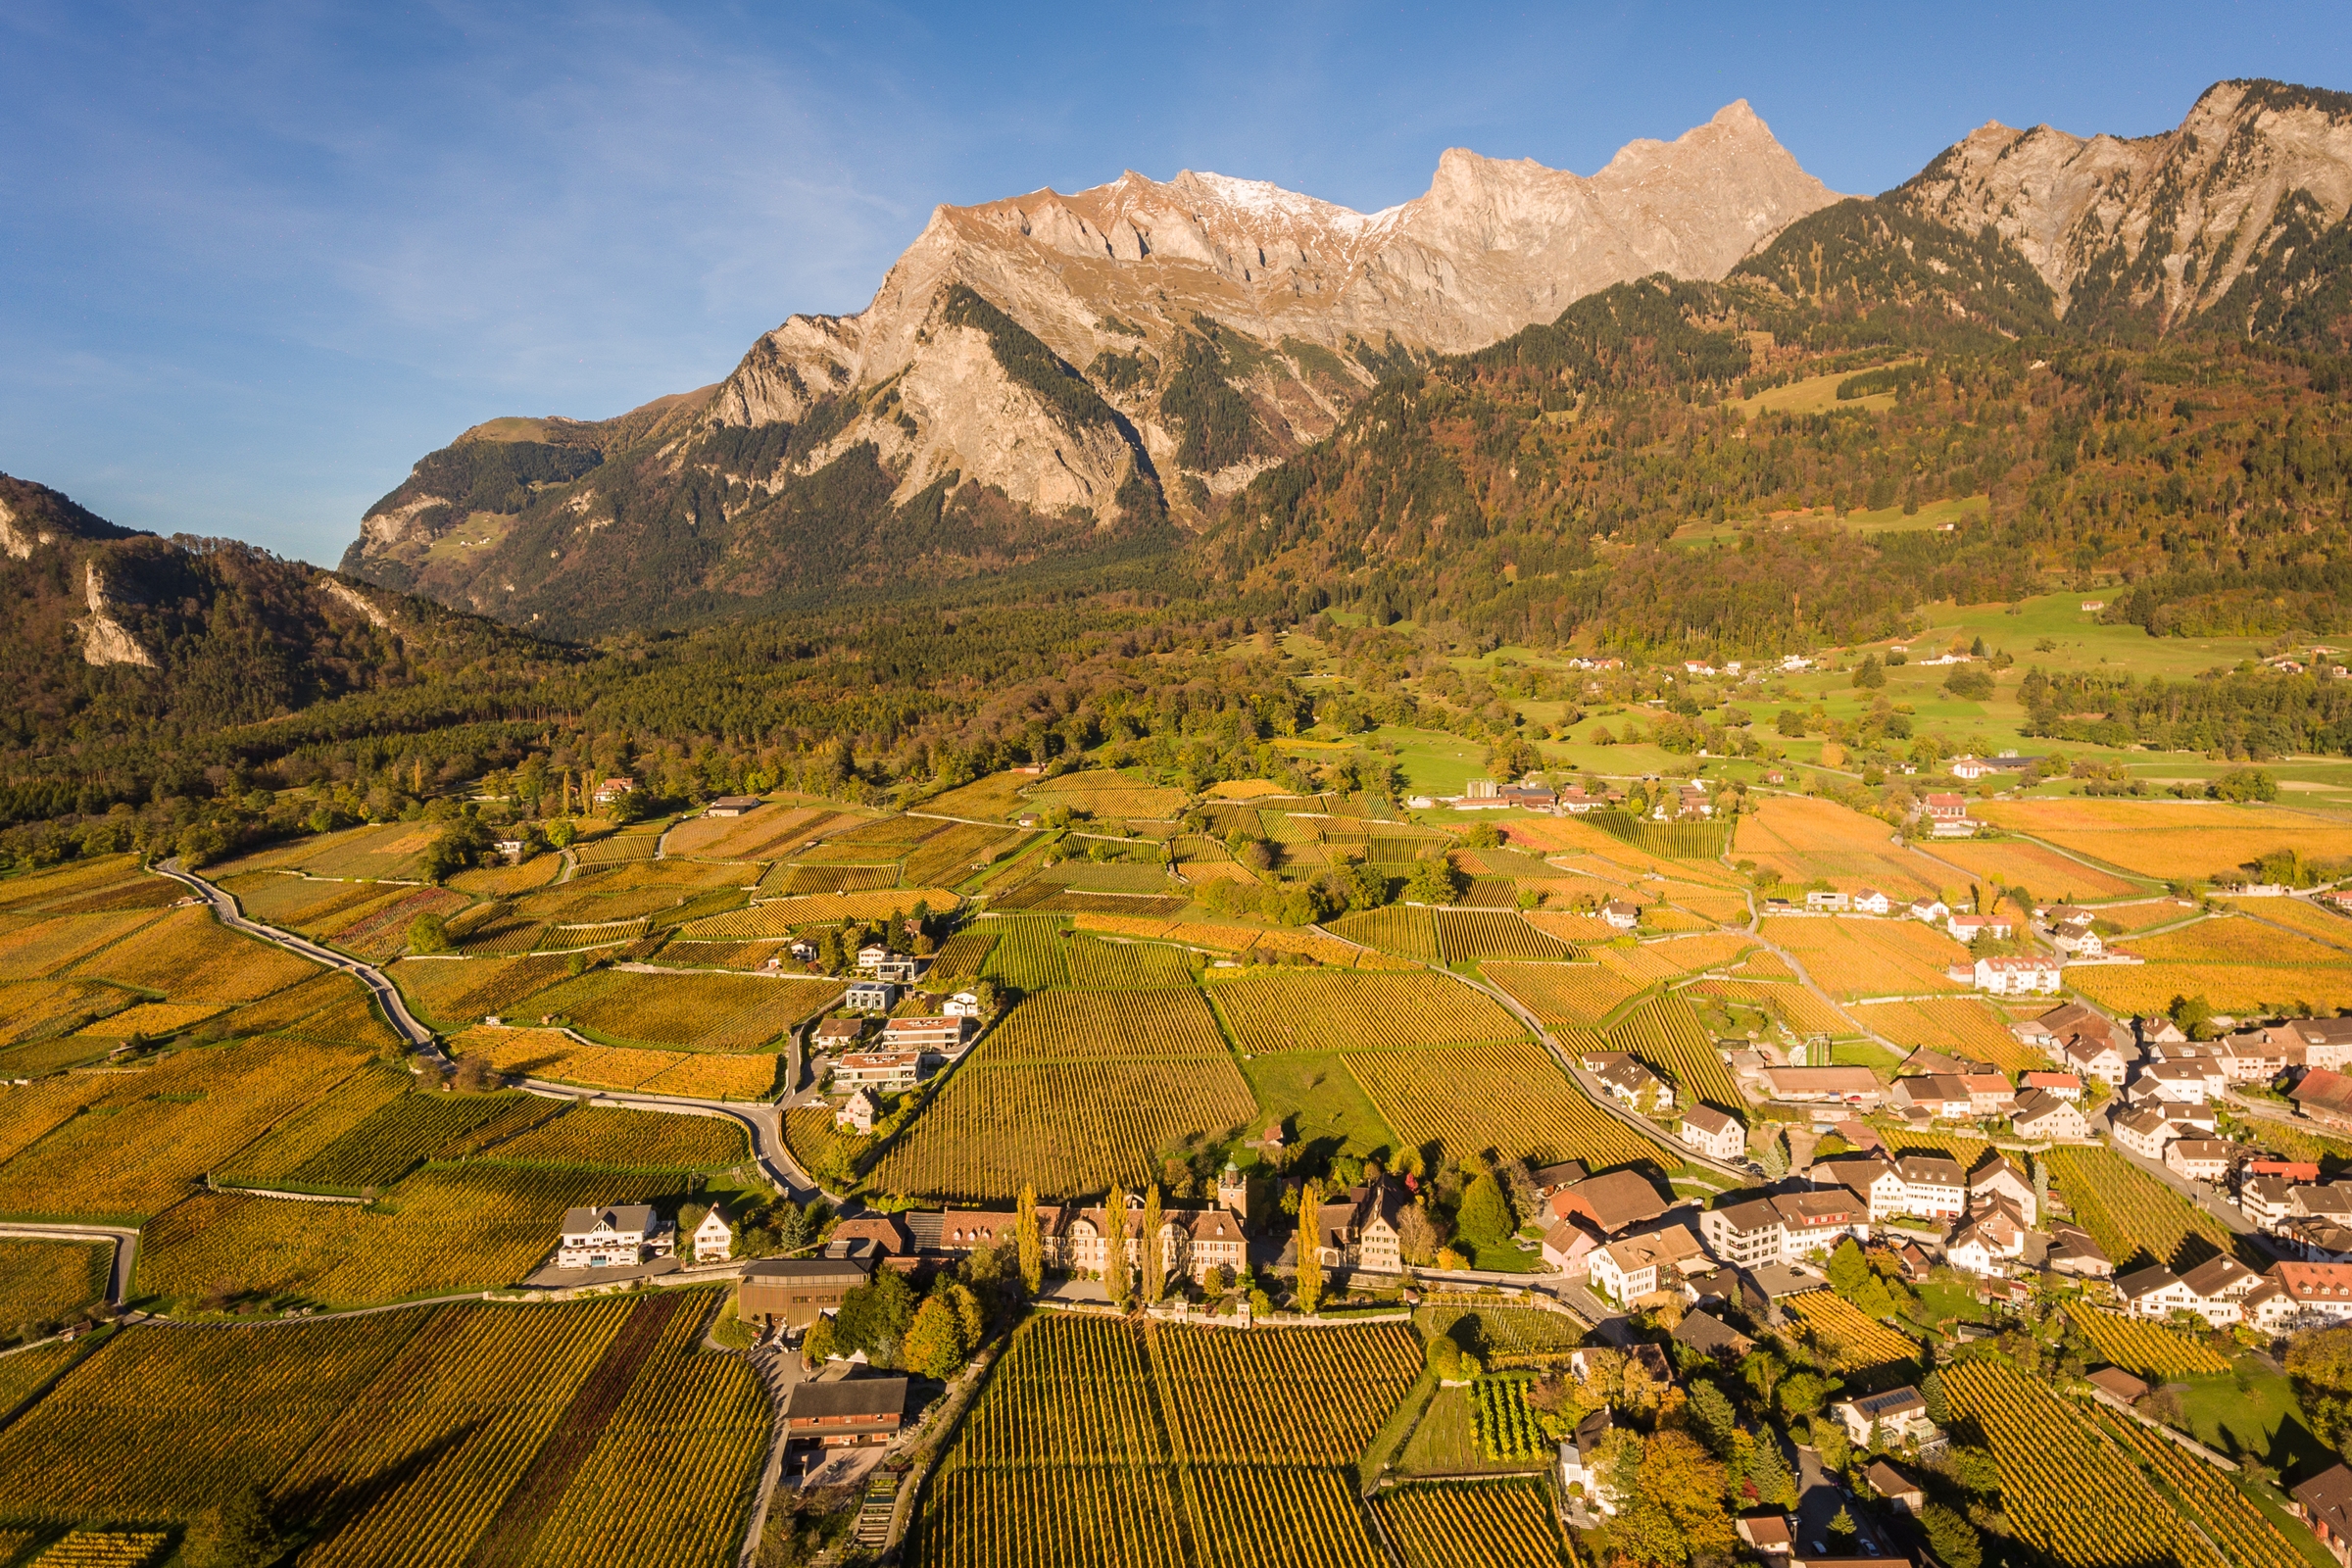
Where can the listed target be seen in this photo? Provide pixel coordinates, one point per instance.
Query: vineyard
(2128, 988)
(446, 1228)
(2069, 1494)
(2225, 1513)
(1466, 936)
(2164, 841)
(1668, 1036)
(48, 1281)
(2148, 1349)
(1853, 957)
(1079, 1026)
(2299, 915)
(1856, 1342)
(1350, 1011)
(104, 1548)
(1565, 994)
(2131, 1214)
(1671, 840)
(551, 1053)
(1511, 1098)
(1505, 1523)
(1070, 1127)
(1099, 1442)
(2023, 863)
(1028, 954)
(1962, 1026)
(1503, 1336)
(1124, 966)
(462, 991)
(962, 956)
(427, 1435)
(1507, 1424)
(698, 1011)
(1403, 929)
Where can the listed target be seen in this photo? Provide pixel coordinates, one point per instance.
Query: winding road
(762, 1121)
(125, 1243)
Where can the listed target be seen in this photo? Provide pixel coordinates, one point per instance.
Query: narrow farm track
(225, 909)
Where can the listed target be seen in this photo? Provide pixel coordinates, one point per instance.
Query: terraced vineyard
(1172, 1021)
(492, 1434)
(1568, 995)
(1099, 1442)
(1029, 951)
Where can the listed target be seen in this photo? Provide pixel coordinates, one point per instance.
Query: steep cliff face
(1048, 372)
(2233, 214)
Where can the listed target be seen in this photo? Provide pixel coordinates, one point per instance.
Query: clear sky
(257, 260)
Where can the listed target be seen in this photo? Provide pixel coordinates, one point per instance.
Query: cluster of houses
(2224, 1293)
(908, 1050)
(626, 1234)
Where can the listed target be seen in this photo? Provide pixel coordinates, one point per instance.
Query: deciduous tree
(1310, 1247)
(1155, 1272)
(1031, 1244)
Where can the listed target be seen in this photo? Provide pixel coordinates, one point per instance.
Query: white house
(2180, 1082)
(2097, 1059)
(2316, 1290)
(1934, 1186)
(1896, 1415)
(1827, 899)
(2199, 1159)
(871, 995)
(1931, 909)
(1870, 901)
(872, 954)
(713, 1242)
(1969, 927)
(1996, 1177)
(2024, 974)
(1714, 1134)
(858, 1112)
(2144, 1132)
(962, 1004)
(1626, 1270)
(1621, 914)
(2038, 1113)
(613, 1237)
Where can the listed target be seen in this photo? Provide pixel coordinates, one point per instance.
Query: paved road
(764, 1122)
(125, 1241)
(1819, 1496)
(387, 995)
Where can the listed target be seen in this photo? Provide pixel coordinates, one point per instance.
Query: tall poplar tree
(1032, 1246)
(1117, 1281)
(1310, 1247)
(1155, 1265)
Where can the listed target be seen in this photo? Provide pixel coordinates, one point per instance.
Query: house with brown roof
(795, 1292)
(2324, 1503)
(845, 1412)
(2324, 1096)
(1612, 1203)
(1714, 1133)
(1898, 1490)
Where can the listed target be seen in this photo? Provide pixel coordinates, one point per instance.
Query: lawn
(1434, 763)
(1445, 1442)
(1318, 1101)
(2250, 1412)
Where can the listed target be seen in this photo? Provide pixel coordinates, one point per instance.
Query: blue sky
(257, 260)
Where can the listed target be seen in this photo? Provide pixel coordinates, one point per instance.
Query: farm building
(1612, 1203)
(732, 806)
(796, 1291)
(831, 1034)
(2324, 1096)
(845, 1412)
(2041, 1114)
(1852, 1086)
(2324, 1503)
(1621, 914)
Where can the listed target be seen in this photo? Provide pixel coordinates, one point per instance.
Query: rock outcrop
(2162, 227)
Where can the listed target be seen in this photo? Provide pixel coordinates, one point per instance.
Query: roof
(1707, 1333)
(2120, 1383)
(630, 1219)
(2147, 1281)
(806, 1269)
(1822, 1080)
(1889, 1482)
(2323, 1087)
(1708, 1119)
(1620, 1198)
(848, 1396)
(2218, 1274)
(2328, 1498)
(1940, 1170)
(1895, 1401)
